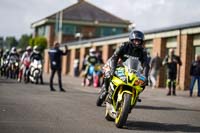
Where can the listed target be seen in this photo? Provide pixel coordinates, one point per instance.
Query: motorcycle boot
(106, 87)
(169, 87)
(174, 88)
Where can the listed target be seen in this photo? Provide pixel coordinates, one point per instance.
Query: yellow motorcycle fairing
(127, 86)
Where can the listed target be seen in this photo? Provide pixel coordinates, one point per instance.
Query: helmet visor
(137, 41)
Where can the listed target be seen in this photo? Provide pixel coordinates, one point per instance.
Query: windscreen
(132, 63)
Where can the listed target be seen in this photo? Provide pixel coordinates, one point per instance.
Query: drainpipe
(180, 46)
(60, 27)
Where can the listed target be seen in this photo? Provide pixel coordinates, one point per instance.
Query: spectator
(195, 74)
(76, 67)
(171, 62)
(99, 58)
(147, 67)
(155, 65)
(84, 63)
(55, 55)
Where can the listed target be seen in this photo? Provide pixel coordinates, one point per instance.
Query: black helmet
(136, 34)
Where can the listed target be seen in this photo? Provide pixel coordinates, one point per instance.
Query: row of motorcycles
(32, 70)
(125, 87)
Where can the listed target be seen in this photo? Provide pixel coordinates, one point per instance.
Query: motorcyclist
(1, 56)
(36, 55)
(25, 57)
(91, 59)
(13, 56)
(5, 62)
(134, 47)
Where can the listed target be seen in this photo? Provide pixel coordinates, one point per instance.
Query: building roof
(175, 27)
(85, 11)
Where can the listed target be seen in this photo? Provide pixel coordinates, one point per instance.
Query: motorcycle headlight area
(39, 66)
(16, 64)
(141, 81)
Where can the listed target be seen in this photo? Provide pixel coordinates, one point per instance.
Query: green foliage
(11, 42)
(24, 41)
(41, 42)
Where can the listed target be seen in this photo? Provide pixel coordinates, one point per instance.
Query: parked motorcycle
(125, 87)
(36, 71)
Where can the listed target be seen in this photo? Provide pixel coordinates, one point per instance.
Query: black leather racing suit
(127, 48)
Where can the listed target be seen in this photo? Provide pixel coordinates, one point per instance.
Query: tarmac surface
(30, 108)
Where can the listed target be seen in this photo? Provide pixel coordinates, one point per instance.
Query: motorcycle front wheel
(123, 110)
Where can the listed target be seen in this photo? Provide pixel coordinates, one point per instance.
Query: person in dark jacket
(134, 47)
(171, 61)
(55, 55)
(147, 67)
(195, 74)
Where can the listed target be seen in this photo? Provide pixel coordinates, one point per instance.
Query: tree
(11, 42)
(24, 41)
(41, 42)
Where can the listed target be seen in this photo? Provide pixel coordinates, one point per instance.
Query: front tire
(123, 111)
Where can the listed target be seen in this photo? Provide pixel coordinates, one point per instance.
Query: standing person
(155, 65)
(76, 67)
(99, 58)
(195, 74)
(134, 47)
(171, 61)
(147, 67)
(55, 55)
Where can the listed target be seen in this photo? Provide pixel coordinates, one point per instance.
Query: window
(107, 31)
(41, 31)
(69, 29)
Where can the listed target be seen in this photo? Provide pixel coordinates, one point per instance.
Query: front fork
(133, 100)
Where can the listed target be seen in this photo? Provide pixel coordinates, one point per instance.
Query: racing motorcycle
(25, 70)
(89, 78)
(124, 89)
(4, 67)
(97, 75)
(35, 71)
(13, 68)
(94, 75)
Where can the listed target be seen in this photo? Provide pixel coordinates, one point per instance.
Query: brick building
(82, 20)
(184, 38)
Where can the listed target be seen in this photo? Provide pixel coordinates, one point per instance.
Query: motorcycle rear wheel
(101, 98)
(123, 111)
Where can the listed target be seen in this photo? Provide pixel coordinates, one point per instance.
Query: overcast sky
(17, 15)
